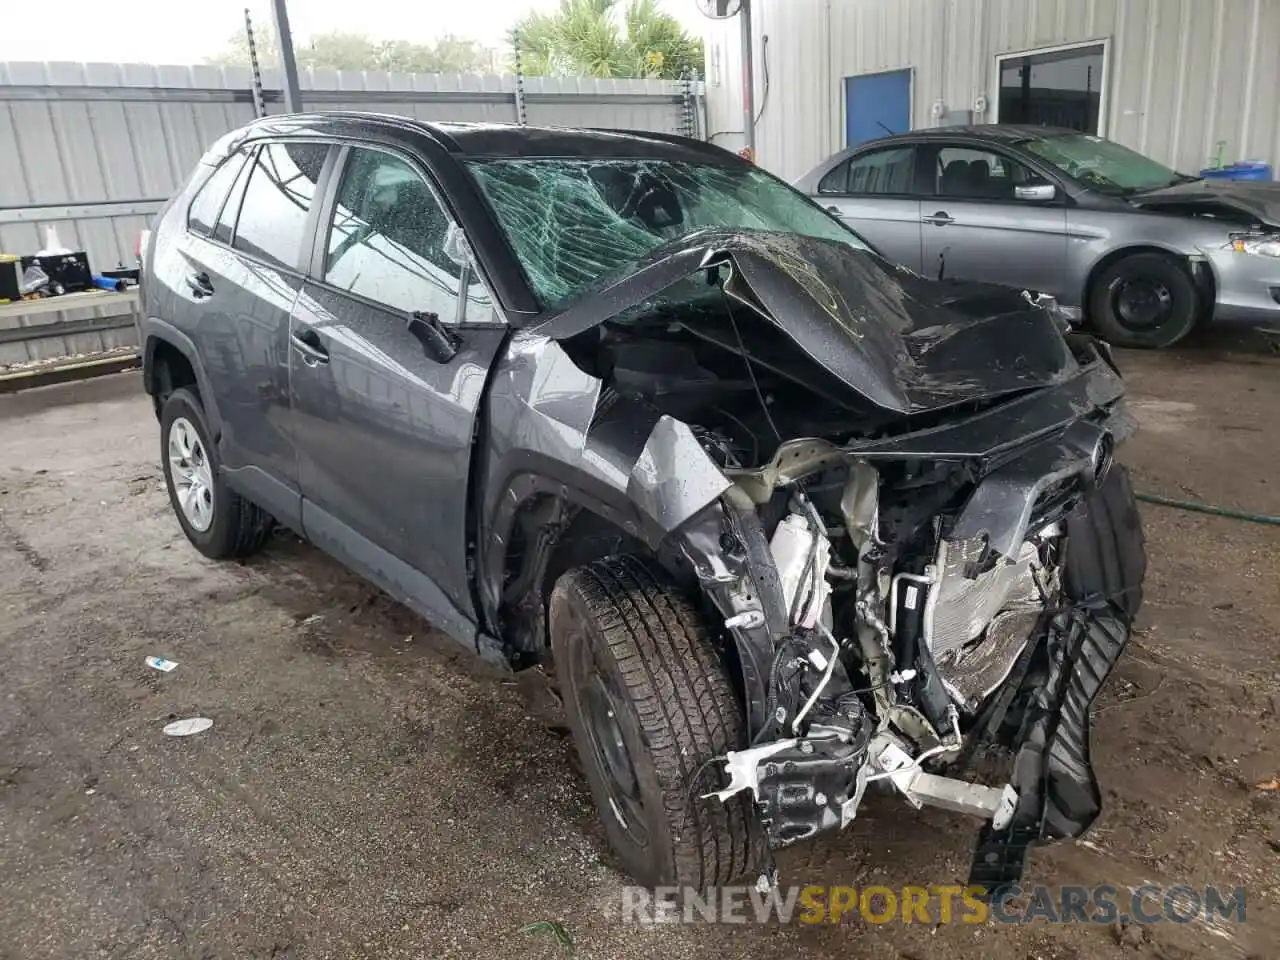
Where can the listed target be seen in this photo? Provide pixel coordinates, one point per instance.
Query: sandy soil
(367, 792)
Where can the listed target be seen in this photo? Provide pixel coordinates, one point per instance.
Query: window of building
(1060, 88)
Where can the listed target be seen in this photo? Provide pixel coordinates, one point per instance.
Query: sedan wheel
(1144, 300)
(1142, 303)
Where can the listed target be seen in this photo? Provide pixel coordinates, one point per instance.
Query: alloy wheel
(191, 474)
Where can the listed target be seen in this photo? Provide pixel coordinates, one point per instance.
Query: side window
(884, 171)
(392, 242)
(208, 201)
(964, 172)
(281, 188)
(226, 225)
(835, 180)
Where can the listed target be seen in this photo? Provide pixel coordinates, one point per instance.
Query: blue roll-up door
(876, 105)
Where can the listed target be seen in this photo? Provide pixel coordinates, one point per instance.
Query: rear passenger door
(873, 193)
(978, 225)
(244, 269)
(383, 421)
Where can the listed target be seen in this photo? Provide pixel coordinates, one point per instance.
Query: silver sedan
(1136, 250)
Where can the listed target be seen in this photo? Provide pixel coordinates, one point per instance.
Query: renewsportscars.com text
(940, 903)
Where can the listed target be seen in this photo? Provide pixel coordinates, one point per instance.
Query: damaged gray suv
(789, 520)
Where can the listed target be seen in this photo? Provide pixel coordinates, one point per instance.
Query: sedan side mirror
(1036, 191)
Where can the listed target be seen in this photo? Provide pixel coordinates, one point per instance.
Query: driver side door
(384, 420)
(979, 225)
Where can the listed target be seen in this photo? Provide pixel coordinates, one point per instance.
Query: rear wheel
(219, 522)
(1144, 300)
(651, 708)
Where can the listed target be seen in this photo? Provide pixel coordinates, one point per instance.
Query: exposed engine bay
(904, 630)
(876, 513)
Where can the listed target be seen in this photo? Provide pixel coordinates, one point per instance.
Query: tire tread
(688, 710)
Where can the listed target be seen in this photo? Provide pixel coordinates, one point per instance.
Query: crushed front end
(904, 602)
(899, 502)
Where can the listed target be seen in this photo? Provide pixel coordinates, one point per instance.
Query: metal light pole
(748, 85)
(723, 10)
(288, 65)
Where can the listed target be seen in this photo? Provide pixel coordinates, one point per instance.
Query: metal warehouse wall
(1181, 75)
(96, 148)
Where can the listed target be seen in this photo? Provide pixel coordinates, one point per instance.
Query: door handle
(200, 284)
(307, 343)
(939, 219)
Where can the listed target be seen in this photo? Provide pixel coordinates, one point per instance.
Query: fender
(559, 437)
(155, 331)
(553, 429)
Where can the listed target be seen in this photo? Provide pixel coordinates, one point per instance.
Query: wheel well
(170, 369)
(549, 536)
(1117, 255)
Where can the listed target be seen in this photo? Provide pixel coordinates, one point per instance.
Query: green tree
(604, 38)
(236, 52)
(355, 51)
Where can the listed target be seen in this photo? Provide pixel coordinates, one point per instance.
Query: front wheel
(1144, 300)
(652, 709)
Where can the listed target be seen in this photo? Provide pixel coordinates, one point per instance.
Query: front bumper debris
(1058, 794)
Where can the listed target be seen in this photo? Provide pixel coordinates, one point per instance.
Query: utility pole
(748, 85)
(288, 65)
(723, 10)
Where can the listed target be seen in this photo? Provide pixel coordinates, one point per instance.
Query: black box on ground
(10, 278)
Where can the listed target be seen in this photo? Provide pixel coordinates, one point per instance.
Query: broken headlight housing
(1264, 245)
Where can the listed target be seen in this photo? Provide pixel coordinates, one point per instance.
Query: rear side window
(278, 197)
(226, 225)
(204, 208)
(835, 180)
(884, 171)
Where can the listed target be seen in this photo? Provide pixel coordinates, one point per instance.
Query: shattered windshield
(573, 221)
(1104, 165)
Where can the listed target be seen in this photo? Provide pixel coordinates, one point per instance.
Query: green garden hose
(1209, 508)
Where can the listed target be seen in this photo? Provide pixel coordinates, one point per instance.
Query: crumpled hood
(1253, 198)
(906, 343)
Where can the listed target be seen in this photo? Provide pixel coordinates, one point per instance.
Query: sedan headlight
(1262, 246)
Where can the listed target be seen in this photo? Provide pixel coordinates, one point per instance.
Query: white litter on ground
(185, 728)
(161, 664)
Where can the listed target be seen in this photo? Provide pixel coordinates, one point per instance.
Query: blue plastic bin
(1248, 170)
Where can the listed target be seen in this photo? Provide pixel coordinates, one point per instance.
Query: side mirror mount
(438, 341)
(1035, 192)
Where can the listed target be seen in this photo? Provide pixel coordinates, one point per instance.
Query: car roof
(1007, 134)
(506, 140)
(994, 132)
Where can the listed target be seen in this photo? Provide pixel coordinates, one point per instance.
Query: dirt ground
(366, 792)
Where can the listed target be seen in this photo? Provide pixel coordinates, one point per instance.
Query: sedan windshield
(571, 222)
(1103, 165)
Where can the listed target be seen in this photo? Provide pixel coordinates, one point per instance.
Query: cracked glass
(572, 222)
(392, 242)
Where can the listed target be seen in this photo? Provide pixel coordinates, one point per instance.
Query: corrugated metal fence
(95, 148)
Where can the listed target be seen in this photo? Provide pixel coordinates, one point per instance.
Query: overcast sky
(187, 31)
